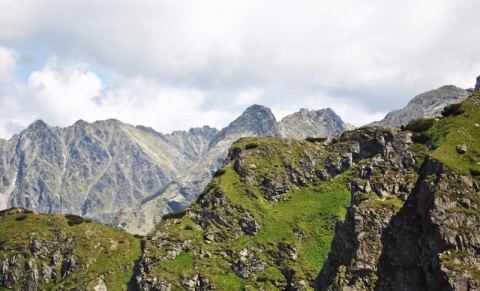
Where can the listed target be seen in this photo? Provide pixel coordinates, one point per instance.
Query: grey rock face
(404, 230)
(428, 104)
(319, 123)
(92, 169)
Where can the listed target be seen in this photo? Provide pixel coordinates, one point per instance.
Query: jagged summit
(38, 124)
(114, 172)
(255, 120)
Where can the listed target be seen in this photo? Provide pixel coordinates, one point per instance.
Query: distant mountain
(428, 104)
(115, 173)
(93, 169)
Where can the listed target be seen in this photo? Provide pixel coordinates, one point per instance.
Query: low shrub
(452, 109)
(421, 137)
(475, 172)
(21, 217)
(316, 139)
(74, 219)
(178, 214)
(219, 172)
(420, 124)
(251, 145)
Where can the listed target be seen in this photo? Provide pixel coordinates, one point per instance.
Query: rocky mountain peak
(312, 123)
(38, 124)
(255, 120)
(257, 117)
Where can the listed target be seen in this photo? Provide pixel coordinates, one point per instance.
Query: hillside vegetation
(372, 209)
(54, 252)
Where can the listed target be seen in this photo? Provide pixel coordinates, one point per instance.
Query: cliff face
(429, 238)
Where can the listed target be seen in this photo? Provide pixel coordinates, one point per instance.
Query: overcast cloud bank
(177, 64)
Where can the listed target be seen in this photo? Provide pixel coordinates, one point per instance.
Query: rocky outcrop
(419, 243)
(428, 104)
(413, 224)
(45, 252)
(270, 173)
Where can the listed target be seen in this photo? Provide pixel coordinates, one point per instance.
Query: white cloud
(8, 64)
(210, 59)
(63, 92)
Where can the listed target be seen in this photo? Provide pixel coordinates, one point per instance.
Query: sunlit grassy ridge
(460, 129)
(98, 251)
(446, 133)
(304, 223)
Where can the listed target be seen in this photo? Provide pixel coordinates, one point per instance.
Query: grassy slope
(107, 251)
(313, 210)
(459, 129)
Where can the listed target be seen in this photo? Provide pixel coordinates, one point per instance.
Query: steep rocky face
(428, 242)
(55, 252)
(257, 120)
(424, 237)
(93, 169)
(428, 104)
(314, 123)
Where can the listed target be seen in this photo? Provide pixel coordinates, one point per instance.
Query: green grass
(107, 251)
(459, 129)
(183, 261)
(312, 210)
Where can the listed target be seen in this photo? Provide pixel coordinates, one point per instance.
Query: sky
(173, 65)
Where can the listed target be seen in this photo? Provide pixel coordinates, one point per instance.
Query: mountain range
(130, 176)
(375, 208)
